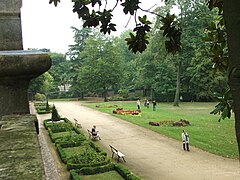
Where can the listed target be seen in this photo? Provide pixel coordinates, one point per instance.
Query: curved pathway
(148, 154)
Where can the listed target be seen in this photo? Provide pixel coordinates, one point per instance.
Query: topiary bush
(39, 97)
(55, 115)
(47, 107)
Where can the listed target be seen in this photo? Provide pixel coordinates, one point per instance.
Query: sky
(47, 26)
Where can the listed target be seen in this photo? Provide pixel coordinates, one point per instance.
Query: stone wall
(20, 156)
(10, 25)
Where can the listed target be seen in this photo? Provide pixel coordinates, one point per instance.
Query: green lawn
(71, 151)
(205, 131)
(103, 176)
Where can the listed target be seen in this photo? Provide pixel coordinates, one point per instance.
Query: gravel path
(50, 169)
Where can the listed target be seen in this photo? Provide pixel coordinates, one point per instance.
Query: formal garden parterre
(83, 157)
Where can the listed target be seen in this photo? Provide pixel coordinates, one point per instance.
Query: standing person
(185, 140)
(138, 104)
(147, 103)
(154, 104)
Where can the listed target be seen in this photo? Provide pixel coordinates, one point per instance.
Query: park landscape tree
(138, 41)
(101, 70)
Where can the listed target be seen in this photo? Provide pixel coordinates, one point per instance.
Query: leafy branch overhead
(137, 41)
(172, 32)
(225, 105)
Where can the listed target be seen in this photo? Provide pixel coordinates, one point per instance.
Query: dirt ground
(149, 155)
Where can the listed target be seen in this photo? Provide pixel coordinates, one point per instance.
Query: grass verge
(205, 131)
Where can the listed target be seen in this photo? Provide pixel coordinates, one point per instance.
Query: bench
(77, 124)
(118, 153)
(94, 137)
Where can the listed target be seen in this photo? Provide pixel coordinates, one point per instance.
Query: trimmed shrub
(55, 115)
(47, 107)
(61, 127)
(125, 173)
(97, 148)
(61, 153)
(71, 141)
(74, 174)
(98, 169)
(39, 97)
(90, 158)
(71, 165)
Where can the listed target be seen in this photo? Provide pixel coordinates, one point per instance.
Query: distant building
(64, 88)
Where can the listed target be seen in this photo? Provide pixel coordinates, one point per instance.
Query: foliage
(80, 36)
(47, 106)
(39, 97)
(125, 173)
(41, 84)
(100, 71)
(89, 156)
(98, 169)
(55, 115)
(59, 71)
(172, 32)
(103, 17)
(81, 154)
(61, 127)
(71, 141)
(138, 42)
(225, 104)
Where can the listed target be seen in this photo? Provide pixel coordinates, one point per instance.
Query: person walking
(185, 140)
(138, 104)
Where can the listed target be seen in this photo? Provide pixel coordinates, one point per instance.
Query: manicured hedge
(72, 165)
(93, 160)
(125, 173)
(97, 169)
(71, 141)
(61, 153)
(74, 174)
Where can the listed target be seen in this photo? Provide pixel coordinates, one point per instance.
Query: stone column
(10, 25)
(17, 67)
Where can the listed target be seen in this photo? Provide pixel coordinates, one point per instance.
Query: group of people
(146, 104)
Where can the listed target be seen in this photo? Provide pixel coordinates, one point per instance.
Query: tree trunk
(177, 93)
(231, 10)
(82, 95)
(105, 94)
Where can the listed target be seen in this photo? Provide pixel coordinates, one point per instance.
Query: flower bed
(124, 112)
(42, 107)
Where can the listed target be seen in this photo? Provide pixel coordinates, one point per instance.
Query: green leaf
(54, 1)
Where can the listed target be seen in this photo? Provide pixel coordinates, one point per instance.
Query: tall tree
(59, 70)
(80, 35)
(100, 69)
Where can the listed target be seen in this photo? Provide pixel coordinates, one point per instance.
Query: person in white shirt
(185, 140)
(138, 104)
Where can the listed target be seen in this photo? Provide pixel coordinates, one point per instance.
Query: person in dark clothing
(154, 105)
